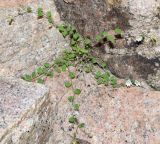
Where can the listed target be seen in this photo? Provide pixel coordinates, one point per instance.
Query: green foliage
(118, 31)
(111, 39)
(105, 78)
(27, 78)
(29, 9)
(64, 68)
(67, 84)
(104, 34)
(77, 91)
(98, 74)
(73, 120)
(76, 37)
(40, 12)
(98, 38)
(49, 17)
(71, 99)
(79, 55)
(47, 65)
(72, 75)
(41, 81)
(81, 125)
(76, 107)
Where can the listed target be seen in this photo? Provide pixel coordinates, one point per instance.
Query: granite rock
(24, 112)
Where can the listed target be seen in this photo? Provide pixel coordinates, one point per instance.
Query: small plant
(29, 9)
(77, 91)
(111, 39)
(72, 75)
(49, 17)
(40, 74)
(105, 78)
(40, 13)
(119, 33)
(67, 84)
(73, 119)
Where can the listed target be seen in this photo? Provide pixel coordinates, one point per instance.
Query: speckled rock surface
(33, 114)
(135, 17)
(114, 116)
(24, 110)
(28, 41)
(93, 16)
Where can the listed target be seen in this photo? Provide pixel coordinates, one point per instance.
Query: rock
(138, 18)
(28, 42)
(142, 64)
(25, 112)
(121, 115)
(92, 17)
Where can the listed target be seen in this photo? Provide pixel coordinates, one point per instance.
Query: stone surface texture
(28, 41)
(114, 116)
(24, 110)
(136, 18)
(38, 114)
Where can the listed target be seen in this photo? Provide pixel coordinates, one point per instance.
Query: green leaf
(71, 98)
(34, 75)
(73, 43)
(67, 84)
(100, 81)
(40, 80)
(111, 39)
(50, 74)
(65, 33)
(72, 75)
(40, 70)
(103, 65)
(40, 12)
(98, 74)
(49, 17)
(61, 28)
(118, 31)
(113, 82)
(27, 78)
(104, 34)
(76, 36)
(87, 41)
(98, 38)
(81, 125)
(64, 68)
(73, 120)
(94, 60)
(47, 65)
(76, 107)
(77, 91)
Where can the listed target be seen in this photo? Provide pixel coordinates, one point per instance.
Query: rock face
(93, 16)
(135, 17)
(28, 41)
(37, 114)
(122, 115)
(24, 110)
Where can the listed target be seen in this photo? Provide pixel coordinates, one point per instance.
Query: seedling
(111, 39)
(49, 17)
(72, 75)
(119, 33)
(40, 13)
(77, 91)
(67, 84)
